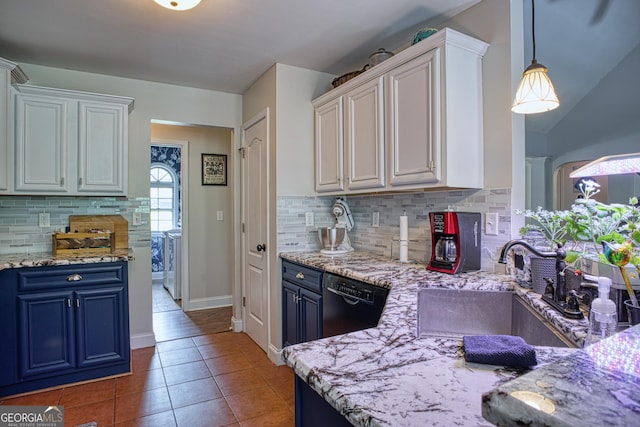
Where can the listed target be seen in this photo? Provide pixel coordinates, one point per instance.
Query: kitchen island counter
(387, 375)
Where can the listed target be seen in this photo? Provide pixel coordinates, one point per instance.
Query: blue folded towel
(505, 350)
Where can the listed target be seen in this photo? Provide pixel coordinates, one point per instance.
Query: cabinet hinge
(242, 227)
(244, 301)
(432, 165)
(241, 150)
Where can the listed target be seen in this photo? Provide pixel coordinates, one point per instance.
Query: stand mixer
(340, 210)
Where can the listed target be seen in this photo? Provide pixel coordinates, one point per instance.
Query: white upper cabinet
(412, 122)
(70, 143)
(5, 81)
(329, 146)
(364, 135)
(9, 72)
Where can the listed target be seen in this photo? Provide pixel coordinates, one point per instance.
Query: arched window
(164, 198)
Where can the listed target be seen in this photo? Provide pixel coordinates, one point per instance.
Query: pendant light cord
(533, 29)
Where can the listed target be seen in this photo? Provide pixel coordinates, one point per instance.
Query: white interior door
(255, 263)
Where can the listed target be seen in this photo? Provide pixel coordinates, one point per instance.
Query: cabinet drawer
(302, 276)
(34, 279)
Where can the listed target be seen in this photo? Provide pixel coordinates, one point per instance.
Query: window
(164, 200)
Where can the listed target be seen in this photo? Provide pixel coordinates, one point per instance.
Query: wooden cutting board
(116, 224)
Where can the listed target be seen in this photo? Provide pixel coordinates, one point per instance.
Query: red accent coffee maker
(455, 242)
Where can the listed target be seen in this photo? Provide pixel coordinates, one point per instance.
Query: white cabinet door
(5, 81)
(364, 135)
(413, 121)
(42, 138)
(102, 147)
(329, 147)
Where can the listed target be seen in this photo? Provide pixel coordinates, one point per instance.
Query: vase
(542, 268)
(633, 313)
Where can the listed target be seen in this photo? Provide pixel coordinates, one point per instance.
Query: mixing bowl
(330, 237)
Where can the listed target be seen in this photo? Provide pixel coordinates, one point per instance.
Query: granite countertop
(388, 376)
(40, 259)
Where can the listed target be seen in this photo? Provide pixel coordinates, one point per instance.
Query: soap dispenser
(603, 316)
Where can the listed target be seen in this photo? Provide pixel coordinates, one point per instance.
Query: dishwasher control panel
(352, 291)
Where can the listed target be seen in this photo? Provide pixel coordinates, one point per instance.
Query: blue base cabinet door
(46, 333)
(100, 325)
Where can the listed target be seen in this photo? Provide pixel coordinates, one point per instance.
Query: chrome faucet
(560, 288)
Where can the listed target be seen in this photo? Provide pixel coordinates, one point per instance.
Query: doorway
(165, 216)
(204, 222)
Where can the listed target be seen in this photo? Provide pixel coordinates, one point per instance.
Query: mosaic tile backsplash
(19, 231)
(293, 235)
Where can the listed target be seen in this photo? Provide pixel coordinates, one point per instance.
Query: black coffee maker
(455, 242)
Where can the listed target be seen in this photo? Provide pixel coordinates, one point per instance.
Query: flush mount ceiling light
(609, 165)
(535, 93)
(178, 4)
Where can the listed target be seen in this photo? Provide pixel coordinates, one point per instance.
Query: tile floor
(221, 379)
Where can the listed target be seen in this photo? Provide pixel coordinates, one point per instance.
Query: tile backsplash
(20, 233)
(293, 235)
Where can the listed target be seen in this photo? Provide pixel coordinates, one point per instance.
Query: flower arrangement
(608, 232)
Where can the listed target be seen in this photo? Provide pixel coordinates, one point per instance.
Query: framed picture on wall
(214, 169)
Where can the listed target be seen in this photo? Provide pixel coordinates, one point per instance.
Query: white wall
(287, 92)
(210, 262)
(152, 101)
(296, 87)
(499, 23)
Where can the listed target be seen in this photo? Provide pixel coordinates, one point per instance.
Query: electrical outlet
(308, 219)
(375, 219)
(137, 218)
(219, 216)
(491, 223)
(44, 220)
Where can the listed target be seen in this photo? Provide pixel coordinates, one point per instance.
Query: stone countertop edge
(41, 259)
(597, 386)
(394, 358)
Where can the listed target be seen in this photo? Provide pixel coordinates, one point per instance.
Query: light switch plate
(308, 219)
(137, 218)
(220, 216)
(491, 223)
(44, 220)
(375, 219)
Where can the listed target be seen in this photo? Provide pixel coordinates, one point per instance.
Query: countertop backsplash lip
(41, 259)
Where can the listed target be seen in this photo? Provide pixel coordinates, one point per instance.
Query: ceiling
(580, 42)
(222, 45)
(226, 45)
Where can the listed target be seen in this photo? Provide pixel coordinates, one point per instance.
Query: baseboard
(157, 276)
(275, 354)
(212, 302)
(142, 340)
(236, 324)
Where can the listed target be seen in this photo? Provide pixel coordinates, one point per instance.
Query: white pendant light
(535, 93)
(178, 4)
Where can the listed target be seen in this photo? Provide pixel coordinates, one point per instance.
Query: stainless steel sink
(453, 312)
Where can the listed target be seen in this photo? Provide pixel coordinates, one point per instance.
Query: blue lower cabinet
(45, 333)
(301, 304)
(100, 326)
(73, 328)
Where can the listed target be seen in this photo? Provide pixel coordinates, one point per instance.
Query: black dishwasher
(350, 305)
